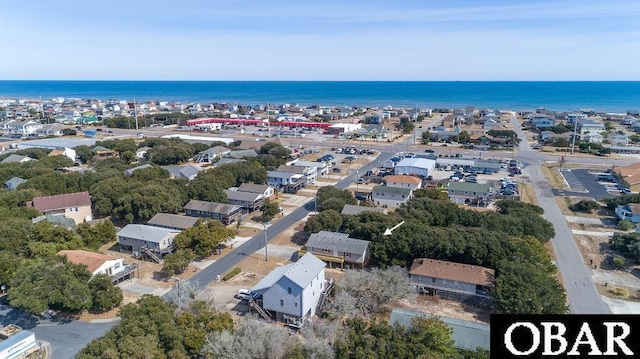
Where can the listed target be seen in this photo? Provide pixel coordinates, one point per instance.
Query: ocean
(614, 96)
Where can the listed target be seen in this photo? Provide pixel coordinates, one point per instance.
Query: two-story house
(430, 276)
(390, 196)
(250, 201)
(470, 193)
(225, 213)
(590, 126)
(142, 240)
(629, 212)
(96, 263)
(308, 172)
(264, 189)
(76, 206)
(375, 132)
(618, 139)
(287, 181)
(322, 169)
(333, 247)
(401, 181)
(291, 293)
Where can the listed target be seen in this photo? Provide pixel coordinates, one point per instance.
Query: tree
(585, 206)
(270, 210)
(464, 137)
(329, 220)
(177, 262)
(275, 149)
(330, 197)
(626, 225)
(426, 137)
(431, 193)
(105, 295)
(618, 261)
(203, 238)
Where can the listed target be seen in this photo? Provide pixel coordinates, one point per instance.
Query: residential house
(593, 138)
(226, 161)
(130, 171)
(22, 128)
(430, 276)
(211, 154)
(628, 176)
(142, 240)
(470, 193)
(12, 158)
(540, 122)
(629, 212)
(100, 152)
(291, 293)
(354, 210)
(442, 133)
(225, 213)
(491, 124)
(401, 181)
(51, 130)
(242, 154)
(390, 196)
(189, 172)
(96, 263)
(376, 132)
(308, 172)
(263, 189)
(76, 206)
(333, 247)
(14, 182)
(590, 126)
(172, 221)
(322, 169)
(618, 139)
(141, 152)
(374, 118)
(287, 181)
(250, 201)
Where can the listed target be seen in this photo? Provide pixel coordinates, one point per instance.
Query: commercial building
(16, 343)
(417, 167)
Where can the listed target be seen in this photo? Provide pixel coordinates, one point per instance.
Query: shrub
(626, 225)
(585, 206)
(620, 292)
(618, 261)
(231, 274)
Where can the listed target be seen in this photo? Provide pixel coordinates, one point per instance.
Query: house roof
(280, 174)
(253, 188)
(172, 220)
(403, 179)
(292, 169)
(212, 207)
(228, 161)
(630, 173)
(242, 153)
(131, 170)
(58, 219)
(60, 201)
(391, 190)
(460, 272)
(468, 186)
(13, 158)
(243, 196)
(189, 171)
(356, 210)
(92, 260)
(337, 241)
(301, 272)
(14, 182)
(146, 233)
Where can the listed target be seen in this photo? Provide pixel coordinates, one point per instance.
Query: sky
(376, 40)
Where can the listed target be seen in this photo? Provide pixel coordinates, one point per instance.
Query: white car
(244, 294)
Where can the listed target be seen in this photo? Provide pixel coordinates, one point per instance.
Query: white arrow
(388, 231)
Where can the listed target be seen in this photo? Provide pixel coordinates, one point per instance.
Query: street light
(266, 255)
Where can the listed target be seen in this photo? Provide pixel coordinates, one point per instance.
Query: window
(295, 304)
(433, 280)
(289, 290)
(282, 302)
(76, 209)
(474, 193)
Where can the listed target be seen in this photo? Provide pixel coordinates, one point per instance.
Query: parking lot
(585, 183)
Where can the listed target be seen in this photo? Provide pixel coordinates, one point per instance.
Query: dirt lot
(448, 308)
(554, 179)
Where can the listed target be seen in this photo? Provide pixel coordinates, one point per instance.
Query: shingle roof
(253, 188)
(465, 273)
(14, 182)
(391, 190)
(92, 260)
(16, 158)
(172, 220)
(356, 210)
(337, 241)
(212, 207)
(292, 169)
(242, 153)
(403, 179)
(146, 233)
(61, 201)
(131, 170)
(227, 161)
(242, 196)
(301, 272)
(468, 186)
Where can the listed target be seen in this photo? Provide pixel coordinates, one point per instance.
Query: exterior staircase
(323, 296)
(262, 312)
(148, 252)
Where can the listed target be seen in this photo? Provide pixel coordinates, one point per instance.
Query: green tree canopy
(204, 237)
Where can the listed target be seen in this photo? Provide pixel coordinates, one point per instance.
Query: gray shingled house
(248, 200)
(172, 221)
(336, 247)
(142, 240)
(225, 213)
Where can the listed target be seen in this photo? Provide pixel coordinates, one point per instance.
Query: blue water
(618, 96)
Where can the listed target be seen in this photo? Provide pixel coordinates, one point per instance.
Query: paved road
(66, 338)
(201, 279)
(577, 276)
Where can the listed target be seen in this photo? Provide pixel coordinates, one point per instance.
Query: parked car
(245, 294)
(336, 170)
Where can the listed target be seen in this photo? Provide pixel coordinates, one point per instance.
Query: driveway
(65, 337)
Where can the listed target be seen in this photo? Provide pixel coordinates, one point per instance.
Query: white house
(629, 212)
(401, 181)
(291, 293)
(22, 127)
(593, 138)
(264, 189)
(322, 169)
(590, 126)
(390, 196)
(96, 263)
(618, 139)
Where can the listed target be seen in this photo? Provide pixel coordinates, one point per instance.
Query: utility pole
(573, 140)
(266, 255)
(135, 112)
(179, 294)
